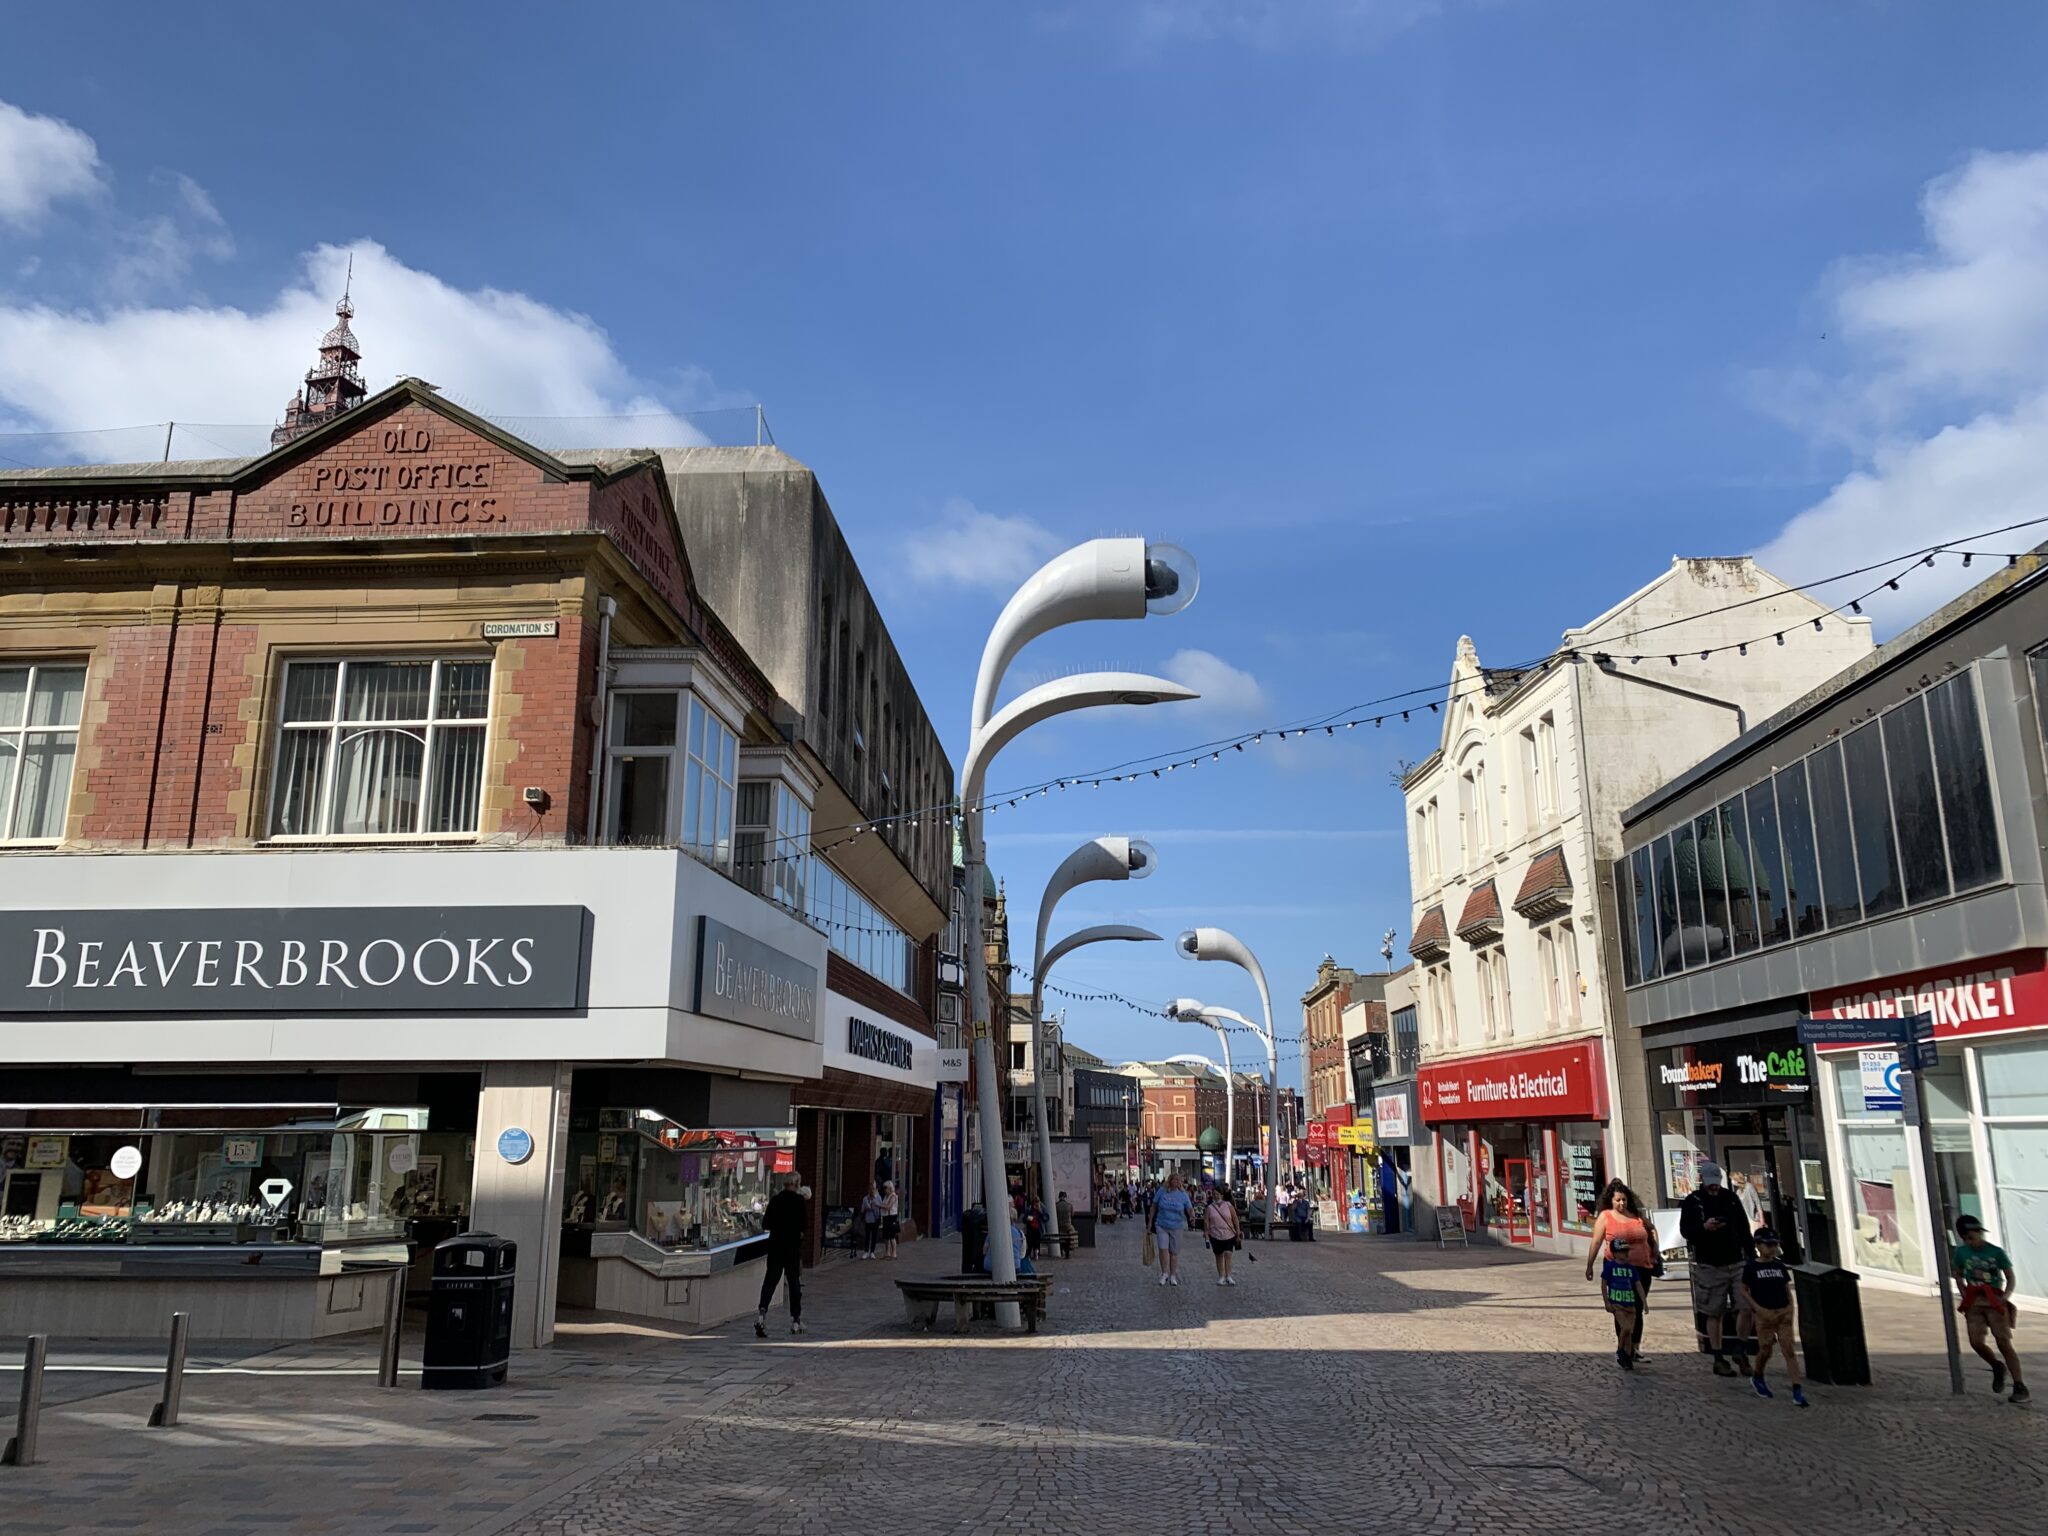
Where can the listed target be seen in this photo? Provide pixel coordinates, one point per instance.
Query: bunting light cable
(1406, 703)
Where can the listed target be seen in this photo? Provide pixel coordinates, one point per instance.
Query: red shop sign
(1337, 1114)
(1318, 1134)
(1559, 1082)
(2010, 992)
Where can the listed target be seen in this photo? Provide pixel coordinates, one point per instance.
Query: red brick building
(351, 723)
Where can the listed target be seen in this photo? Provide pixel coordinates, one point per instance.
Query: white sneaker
(796, 1327)
(1230, 1279)
(1221, 1281)
(1174, 1278)
(1164, 1278)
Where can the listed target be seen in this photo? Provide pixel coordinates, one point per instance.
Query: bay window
(381, 748)
(672, 767)
(40, 707)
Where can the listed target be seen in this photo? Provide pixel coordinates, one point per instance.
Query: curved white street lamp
(1216, 944)
(1190, 1011)
(1229, 1078)
(1106, 858)
(1101, 579)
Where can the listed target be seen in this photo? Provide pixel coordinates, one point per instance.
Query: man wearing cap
(1717, 1234)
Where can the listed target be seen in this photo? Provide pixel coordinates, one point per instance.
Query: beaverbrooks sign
(292, 960)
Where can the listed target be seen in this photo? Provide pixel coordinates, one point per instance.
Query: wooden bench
(969, 1294)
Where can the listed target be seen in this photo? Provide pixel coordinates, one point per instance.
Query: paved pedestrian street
(1378, 1385)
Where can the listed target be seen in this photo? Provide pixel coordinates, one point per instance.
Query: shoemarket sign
(301, 960)
(2009, 992)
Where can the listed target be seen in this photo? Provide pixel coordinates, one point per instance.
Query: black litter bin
(973, 1234)
(469, 1313)
(1831, 1325)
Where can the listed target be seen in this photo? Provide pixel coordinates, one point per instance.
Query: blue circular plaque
(515, 1145)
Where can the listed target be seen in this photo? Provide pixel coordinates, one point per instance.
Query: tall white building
(1526, 1102)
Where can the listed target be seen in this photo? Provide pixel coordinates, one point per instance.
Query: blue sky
(1411, 319)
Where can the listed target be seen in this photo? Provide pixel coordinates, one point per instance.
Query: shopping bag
(1151, 1251)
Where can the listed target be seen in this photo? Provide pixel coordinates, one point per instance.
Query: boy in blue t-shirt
(1985, 1273)
(1767, 1292)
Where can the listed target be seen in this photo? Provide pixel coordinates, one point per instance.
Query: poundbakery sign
(293, 960)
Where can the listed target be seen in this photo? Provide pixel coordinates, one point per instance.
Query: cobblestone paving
(1379, 1384)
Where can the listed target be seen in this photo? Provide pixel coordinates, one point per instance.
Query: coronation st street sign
(292, 960)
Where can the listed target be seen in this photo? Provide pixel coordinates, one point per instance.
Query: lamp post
(1192, 1012)
(1106, 858)
(1102, 579)
(1215, 944)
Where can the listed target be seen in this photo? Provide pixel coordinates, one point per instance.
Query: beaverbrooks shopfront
(1520, 1141)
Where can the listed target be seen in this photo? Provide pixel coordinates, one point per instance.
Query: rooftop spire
(333, 384)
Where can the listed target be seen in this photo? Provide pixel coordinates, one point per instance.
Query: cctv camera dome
(1171, 578)
(1188, 946)
(1140, 858)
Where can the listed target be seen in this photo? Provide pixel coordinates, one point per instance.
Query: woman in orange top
(1625, 1244)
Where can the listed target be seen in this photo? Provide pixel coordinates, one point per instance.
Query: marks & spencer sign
(293, 960)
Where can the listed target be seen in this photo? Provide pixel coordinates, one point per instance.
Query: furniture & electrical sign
(292, 960)
(1562, 1082)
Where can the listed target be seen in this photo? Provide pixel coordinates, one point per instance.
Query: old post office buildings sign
(293, 960)
(749, 982)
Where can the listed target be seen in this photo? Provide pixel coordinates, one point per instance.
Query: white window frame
(1547, 965)
(336, 725)
(18, 736)
(1568, 971)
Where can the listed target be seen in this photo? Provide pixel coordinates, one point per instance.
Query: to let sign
(1562, 1082)
(292, 960)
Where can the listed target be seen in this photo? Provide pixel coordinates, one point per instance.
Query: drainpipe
(607, 609)
(1606, 664)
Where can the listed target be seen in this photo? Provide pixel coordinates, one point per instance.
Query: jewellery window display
(154, 1187)
(681, 1189)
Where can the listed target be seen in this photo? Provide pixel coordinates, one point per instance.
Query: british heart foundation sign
(1559, 1082)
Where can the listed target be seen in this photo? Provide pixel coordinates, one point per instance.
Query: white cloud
(43, 160)
(1942, 393)
(500, 353)
(157, 252)
(969, 547)
(1225, 690)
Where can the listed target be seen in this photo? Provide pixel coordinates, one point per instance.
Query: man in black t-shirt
(1716, 1231)
(784, 1221)
(1767, 1294)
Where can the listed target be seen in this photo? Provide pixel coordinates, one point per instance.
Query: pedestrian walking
(1624, 1248)
(1985, 1274)
(871, 1221)
(1168, 1220)
(892, 1219)
(1717, 1233)
(785, 1220)
(1225, 1232)
(1767, 1296)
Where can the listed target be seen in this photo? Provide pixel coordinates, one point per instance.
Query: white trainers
(1174, 1278)
(1230, 1279)
(1221, 1281)
(796, 1327)
(1164, 1277)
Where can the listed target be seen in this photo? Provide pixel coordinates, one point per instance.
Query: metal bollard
(165, 1414)
(21, 1450)
(394, 1323)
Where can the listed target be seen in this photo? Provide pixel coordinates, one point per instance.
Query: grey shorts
(1713, 1287)
(1167, 1239)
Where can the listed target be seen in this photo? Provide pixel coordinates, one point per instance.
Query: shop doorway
(1516, 1174)
(1757, 1152)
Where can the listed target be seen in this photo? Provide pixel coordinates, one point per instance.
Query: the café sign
(292, 960)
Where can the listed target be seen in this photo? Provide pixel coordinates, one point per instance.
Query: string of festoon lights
(1426, 699)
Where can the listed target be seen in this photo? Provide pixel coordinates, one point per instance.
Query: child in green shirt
(1985, 1274)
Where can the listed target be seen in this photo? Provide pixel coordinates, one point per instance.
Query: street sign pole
(1916, 1053)
(1913, 1037)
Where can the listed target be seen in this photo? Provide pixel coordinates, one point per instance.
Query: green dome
(1211, 1140)
(1713, 857)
